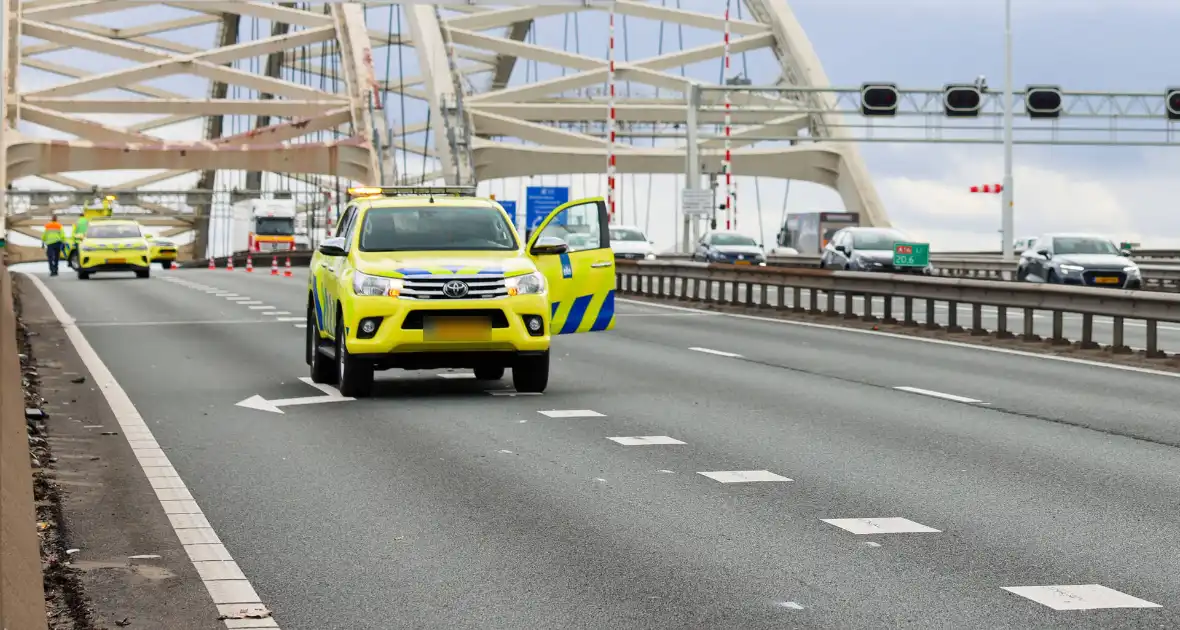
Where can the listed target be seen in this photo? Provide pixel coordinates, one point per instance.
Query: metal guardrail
(1157, 276)
(734, 285)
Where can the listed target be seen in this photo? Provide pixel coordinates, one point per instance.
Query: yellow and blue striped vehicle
(436, 277)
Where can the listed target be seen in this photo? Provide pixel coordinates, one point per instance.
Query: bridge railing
(838, 293)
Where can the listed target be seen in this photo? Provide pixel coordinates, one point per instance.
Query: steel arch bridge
(316, 96)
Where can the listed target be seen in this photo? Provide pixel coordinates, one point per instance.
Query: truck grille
(431, 288)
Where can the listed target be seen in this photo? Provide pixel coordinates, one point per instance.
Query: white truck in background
(263, 225)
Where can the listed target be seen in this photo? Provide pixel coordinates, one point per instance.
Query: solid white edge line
(940, 342)
(198, 542)
(934, 394)
(717, 352)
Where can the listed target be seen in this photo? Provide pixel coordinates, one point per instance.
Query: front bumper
(401, 329)
(1103, 279)
(163, 255)
(113, 261)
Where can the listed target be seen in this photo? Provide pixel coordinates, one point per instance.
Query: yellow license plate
(1106, 280)
(117, 261)
(742, 262)
(458, 329)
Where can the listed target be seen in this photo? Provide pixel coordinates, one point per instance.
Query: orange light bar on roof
(413, 191)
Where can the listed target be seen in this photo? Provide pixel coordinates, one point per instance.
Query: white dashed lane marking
(291, 319)
(892, 525)
(571, 413)
(457, 375)
(743, 476)
(251, 303)
(261, 307)
(645, 440)
(301, 325)
(717, 352)
(1079, 597)
(934, 394)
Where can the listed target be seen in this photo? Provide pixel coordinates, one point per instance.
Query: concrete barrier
(22, 598)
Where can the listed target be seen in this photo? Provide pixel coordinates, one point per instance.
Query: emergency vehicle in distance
(263, 225)
(421, 278)
(808, 233)
(103, 209)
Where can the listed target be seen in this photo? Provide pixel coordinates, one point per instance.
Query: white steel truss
(476, 129)
(558, 125)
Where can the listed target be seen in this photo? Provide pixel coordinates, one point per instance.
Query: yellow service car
(436, 277)
(163, 250)
(113, 245)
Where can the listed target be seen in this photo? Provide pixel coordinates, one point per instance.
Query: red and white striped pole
(993, 189)
(610, 120)
(727, 163)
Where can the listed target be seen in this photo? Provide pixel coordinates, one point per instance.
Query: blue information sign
(540, 201)
(510, 208)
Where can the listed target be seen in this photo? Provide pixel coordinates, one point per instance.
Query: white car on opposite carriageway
(630, 243)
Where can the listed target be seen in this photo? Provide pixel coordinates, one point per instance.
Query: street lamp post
(1006, 221)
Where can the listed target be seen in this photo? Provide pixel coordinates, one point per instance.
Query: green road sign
(911, 254)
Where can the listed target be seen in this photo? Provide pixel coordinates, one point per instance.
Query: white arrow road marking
(331, 394)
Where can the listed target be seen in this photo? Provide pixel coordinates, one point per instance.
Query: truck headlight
(364, 284)
(1072, 268)
(528, 284)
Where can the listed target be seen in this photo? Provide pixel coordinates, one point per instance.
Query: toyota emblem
(455, 289)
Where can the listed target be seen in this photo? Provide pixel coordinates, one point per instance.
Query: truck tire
(530, 375)
(322, 370)
(83, 275)
(353, 378)
(166, 264)
(146, 273)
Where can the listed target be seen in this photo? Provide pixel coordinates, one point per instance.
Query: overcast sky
(1101, 45)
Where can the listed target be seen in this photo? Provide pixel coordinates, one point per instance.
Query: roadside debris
(65, 604)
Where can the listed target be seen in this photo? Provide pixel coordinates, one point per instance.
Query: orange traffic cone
(229, 263)
(287, 272)
(212, 263)
(249, 263)
(274, 265)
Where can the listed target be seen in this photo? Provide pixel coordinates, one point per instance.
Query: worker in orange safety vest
(52, 239)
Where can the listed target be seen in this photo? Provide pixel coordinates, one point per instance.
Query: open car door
(571, 247)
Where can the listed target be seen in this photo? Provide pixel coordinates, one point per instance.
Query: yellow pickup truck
(437, 277)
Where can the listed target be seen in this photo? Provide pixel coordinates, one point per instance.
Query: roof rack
(413, 191)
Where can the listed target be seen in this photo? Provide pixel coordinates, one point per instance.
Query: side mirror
(549, 246)
(148, 236)
(842, 249)
(1044, 251)
(1126, 253)
(333, 247)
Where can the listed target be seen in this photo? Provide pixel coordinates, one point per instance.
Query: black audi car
(1079, 259)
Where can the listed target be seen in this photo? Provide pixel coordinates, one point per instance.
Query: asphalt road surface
(683, 471)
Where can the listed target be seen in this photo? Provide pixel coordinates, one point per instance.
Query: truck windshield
(122, 230)
(436, 228)
(274, 226)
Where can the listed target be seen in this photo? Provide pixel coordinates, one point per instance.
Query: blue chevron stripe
(577, 313)
(413, 271)
(319, 312)
(605, 314)
(555, 305)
